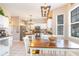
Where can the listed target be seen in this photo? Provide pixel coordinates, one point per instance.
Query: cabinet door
(10, 40)
(1, 21)
(4, 22)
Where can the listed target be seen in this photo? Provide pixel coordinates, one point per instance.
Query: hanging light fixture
(30, 21)
(45, 10)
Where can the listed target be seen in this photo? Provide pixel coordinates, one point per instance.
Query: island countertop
(59, 43)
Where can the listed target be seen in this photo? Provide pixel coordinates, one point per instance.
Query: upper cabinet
(4, 22)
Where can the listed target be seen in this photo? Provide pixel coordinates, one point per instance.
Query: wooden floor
(17, 49)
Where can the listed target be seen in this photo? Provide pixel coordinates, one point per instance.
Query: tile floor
(17, 49)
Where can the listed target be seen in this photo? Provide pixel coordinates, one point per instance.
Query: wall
(74, 39)
(7, 18)
(7, 13)
(65, 10)
(57, 11)
(62, 10)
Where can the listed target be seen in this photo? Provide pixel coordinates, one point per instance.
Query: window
(75, 22)
(60, 25)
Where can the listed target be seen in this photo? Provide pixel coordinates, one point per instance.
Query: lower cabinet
(5, 44)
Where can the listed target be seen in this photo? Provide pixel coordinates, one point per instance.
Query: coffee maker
(2, 33)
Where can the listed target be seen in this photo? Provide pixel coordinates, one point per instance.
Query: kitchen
(44, 31)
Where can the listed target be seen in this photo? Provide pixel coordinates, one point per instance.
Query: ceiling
(26, 9)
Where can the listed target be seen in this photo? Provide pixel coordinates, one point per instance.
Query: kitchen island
(58, 47)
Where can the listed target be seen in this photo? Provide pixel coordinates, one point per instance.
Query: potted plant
(2, 12)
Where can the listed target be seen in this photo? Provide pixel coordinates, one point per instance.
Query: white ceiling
(26, 9)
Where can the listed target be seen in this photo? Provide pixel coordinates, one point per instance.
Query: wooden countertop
(39, 43)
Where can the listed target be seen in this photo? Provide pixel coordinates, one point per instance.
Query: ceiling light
(45, 10)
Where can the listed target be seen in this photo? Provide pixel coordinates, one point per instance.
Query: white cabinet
(5, 44)
(4, 21)
(10, 41)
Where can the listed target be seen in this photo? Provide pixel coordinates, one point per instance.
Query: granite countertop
(1, 38)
